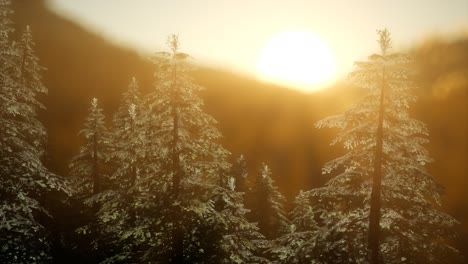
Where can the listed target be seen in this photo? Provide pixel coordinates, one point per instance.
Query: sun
(297, 59)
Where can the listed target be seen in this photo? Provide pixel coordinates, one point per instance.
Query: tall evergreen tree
(89, 169)
(382, 207)
(88, 164)
(122, 119)
(21, 86)
(25, 184)
(199, 215)
(296, 246)
(189, 157)
(30, 85)
(128, 139)
(121, 231)
(240, 241)
(268, 206)
(6, 29)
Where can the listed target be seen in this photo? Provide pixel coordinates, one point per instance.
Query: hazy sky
(232, 33)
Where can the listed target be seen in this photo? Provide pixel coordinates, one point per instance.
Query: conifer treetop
(385, 41)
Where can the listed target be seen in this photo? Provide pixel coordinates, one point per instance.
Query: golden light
(298, 59)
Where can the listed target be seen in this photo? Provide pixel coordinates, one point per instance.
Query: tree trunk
(175, 155)
(96, 182)
(375, 201)
(23, 63)
(132, 213)
(177, 236)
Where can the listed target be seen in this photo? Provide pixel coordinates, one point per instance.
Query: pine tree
(201, 218)
(88, 164)
(239, 240)
(381, 178)
(122, 119)
(90, 172)
(268, 206)
(26, 186)
(6, 29)
(21, 86)
(296, 245)
(183, 144)
(128, 139)
(30, 86)
(7, 66)
(121, 231)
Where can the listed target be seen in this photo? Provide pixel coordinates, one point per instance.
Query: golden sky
(233, 33)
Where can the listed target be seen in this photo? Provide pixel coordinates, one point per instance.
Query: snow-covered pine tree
(194, 226)
(233, 238)
(122, 119)
(128, 142)
(30, 86)
(239, 240)
(128, 139)
(184, 145)
(21, 84)
(25, 184)
(6, 57)
(89, 169)
(88, 164)
(268, 205)
(384, 156)
(295, 246)
(6, 29)
(121, 227)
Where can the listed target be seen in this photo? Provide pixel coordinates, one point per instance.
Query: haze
(231, 34)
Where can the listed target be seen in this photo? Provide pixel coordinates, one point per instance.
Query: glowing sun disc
(297, 58)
